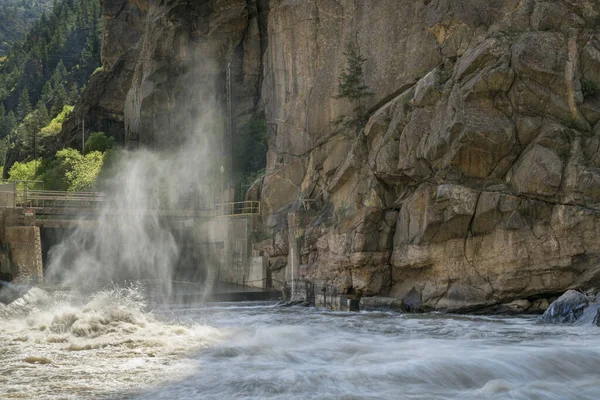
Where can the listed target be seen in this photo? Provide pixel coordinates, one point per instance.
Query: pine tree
(73, 94)
(59, 75)
(11, 122)
(42, 114)
(47, 93)
(351, 86)
(60, 99)
(3, 130)
(24, 106)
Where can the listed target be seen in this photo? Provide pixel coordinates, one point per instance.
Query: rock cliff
(476, 180)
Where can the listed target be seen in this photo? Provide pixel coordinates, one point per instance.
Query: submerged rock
(567, 308)
(295, 303)
(376, 303)
(10, 292)
(18, 300)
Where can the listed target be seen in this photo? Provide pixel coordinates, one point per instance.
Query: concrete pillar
(293, 265)
(26, 253)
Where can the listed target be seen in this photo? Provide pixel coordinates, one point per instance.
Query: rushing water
(110, 348)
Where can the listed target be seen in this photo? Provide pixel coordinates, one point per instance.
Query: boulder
(567, 308)
(590, 316)
(10, 292)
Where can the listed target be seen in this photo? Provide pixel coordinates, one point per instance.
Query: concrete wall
(26, 254)
(257, 272)
(216, 249)
(7, 195)
(222, 247)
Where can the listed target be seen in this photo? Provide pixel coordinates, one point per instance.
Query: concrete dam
(214, 241)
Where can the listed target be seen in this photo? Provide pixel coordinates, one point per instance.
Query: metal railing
(237, 209)
(60, 199)
(27, 194)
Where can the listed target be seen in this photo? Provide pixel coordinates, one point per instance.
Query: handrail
(237, 209)
(61, 200)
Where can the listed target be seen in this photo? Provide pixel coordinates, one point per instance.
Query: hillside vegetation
(43, 74)
(16, 19)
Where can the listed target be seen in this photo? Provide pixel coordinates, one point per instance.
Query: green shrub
(98, 141)
(55, 126)
(69, 170)
(446, 74)
(24, 171)
(589, 88)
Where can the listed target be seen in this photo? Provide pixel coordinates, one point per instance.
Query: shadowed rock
(567, 308)
(590, 316)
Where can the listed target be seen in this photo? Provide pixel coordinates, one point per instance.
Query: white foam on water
(109, 347)
(101, 348)
(311, 354)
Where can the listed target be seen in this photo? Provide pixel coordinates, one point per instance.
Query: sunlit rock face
(476, 180)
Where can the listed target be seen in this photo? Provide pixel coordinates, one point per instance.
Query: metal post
(83, 136)
(229, 125)
(292, 261)
(35, 152)
(222, 187)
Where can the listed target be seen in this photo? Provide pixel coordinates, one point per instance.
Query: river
(112, 347)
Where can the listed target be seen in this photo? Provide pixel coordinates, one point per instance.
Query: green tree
(43, 115)
(3, 131)
(73, 94)
(98, 141)
(351, 86)
(60, 99)
(23, 171)
(53, 128)
(24, 106)
(11, 122)
(250, 152)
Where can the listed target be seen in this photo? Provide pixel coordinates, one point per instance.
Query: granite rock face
(476, 181)
(164, 72)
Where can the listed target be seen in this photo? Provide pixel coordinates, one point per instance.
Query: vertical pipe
(229, 127)
(83, 136)
(292, 261)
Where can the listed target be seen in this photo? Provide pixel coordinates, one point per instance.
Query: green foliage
(4, 143)
(55, 126)
(55, 59)
(98, 141)
(25, 171)
(351, 86)
(48, 68)
(250, 151)
(26, 133)
(446, 74)
(69, 170)
(97, 70)
(17, 17)
(589, 88)
(24, 106)
(81, 172)
(564, 154)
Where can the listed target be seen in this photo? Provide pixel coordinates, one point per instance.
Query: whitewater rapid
(114, 349)
(106, 346)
